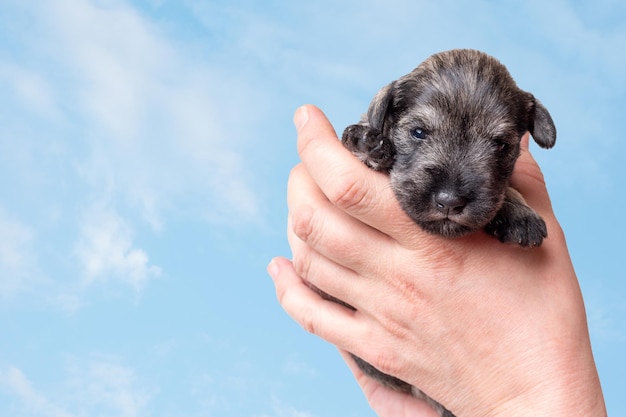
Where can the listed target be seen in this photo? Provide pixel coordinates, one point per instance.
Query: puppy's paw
(369, 145)
(519, 225)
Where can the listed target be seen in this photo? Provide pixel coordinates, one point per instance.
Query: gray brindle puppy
(448, 134)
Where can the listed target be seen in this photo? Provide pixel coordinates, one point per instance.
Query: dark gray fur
(448, 134)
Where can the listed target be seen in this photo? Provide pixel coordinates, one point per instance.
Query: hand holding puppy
(484, 328)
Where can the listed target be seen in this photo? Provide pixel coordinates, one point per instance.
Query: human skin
(485, 328)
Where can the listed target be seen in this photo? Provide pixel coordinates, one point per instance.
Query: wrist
(571, 389)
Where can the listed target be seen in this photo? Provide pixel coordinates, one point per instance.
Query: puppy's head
(456, 122)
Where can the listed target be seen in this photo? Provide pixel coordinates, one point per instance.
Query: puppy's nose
(449, 203)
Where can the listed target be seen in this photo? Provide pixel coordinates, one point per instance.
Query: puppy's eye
(501, 145)
(418, 133)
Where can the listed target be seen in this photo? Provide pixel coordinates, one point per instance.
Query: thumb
(346, 182)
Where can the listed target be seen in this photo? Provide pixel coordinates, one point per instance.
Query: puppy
(448, 134)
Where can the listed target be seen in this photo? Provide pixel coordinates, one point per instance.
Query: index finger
(345, 181)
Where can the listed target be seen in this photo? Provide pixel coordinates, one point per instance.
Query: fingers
(343, 328)
(345, 181)
(326, 319)
(314, 220)
(324, 274)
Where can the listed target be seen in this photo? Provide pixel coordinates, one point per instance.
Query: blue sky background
(144, 152)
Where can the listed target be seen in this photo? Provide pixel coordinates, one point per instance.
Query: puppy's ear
(542, 127)
(377, 110)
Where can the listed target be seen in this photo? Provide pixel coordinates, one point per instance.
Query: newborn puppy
(448, 134)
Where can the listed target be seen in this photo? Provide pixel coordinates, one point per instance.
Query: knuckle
(302, 263)
(296, 172)
(307, 143)
(303, 223)
(308, 317)
(282, 294)
(386, 361)
(309, 320)
(351, 194)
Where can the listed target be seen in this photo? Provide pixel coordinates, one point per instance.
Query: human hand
(486, 329)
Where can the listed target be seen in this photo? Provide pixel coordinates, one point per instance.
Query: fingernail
(272, 269)
(301, 117)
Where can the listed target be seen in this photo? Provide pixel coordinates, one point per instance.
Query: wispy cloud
(30, 89)
(32, 402)
(111, 108)
(104, 384)
(155, 114)
(105, 250)
(97, 386)
(157, 117)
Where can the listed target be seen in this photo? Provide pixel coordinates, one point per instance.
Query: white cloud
(151, 122)
(118, 58)
(156, 115)
(106, 385)
(31, 90)
(68, 301)
(105, 250)
(96, 386)
(100, 90)
(33, 402)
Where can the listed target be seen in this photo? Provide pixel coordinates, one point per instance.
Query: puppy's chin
(445, 228)
(453, 225)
